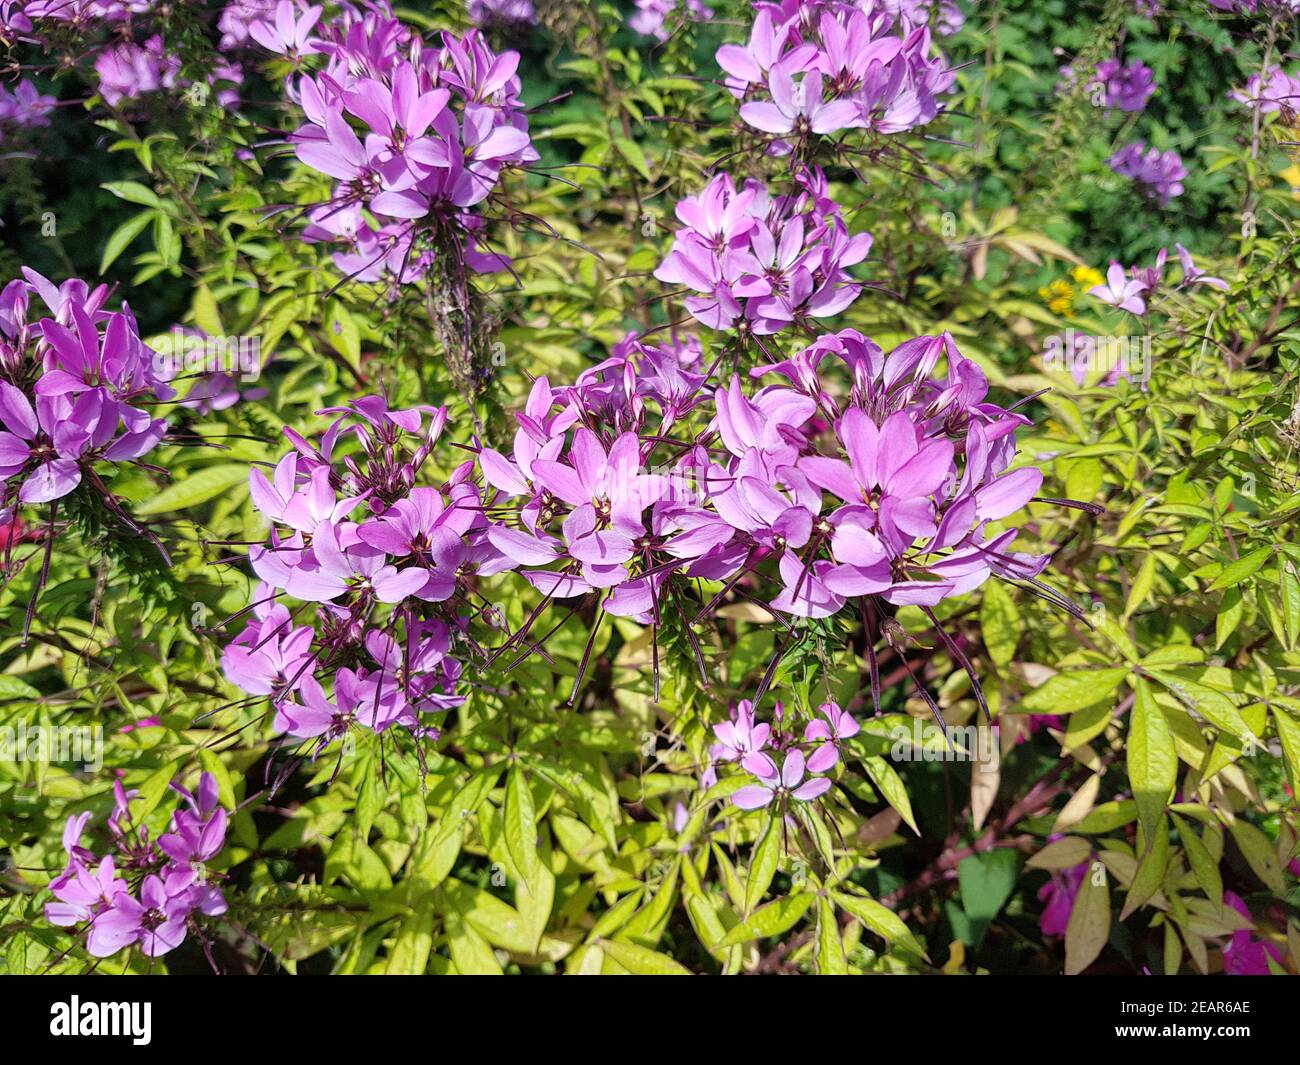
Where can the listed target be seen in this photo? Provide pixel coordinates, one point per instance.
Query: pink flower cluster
(1130, 291)
(487, 12)
(1161, 173)
(25, 106)
(406, 550)
(756, 747)
(1127, 88)
(74, 389)
(760, 260)
(821, 66)
(651, 16)
(434, 129)
(1276, 90)
(128, 70)
(915, 470)
(148, 891)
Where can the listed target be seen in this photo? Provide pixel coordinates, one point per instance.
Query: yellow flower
(1059, 296)
(1087, 276)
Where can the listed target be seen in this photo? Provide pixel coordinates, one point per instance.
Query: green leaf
(13, 688)
(151, 792)
(1260, 854)
(763, 864)
(1150, 874)
(635, 155)
(1067, 692)
(881, 920)
(1244, 567)
(891, 786)
(999, 622)
(206, 314)
(1288, 733)
(409, 954)
(134, 192)
(1142, 584)
(830, 947)
(195, 488)
(641, 961)
(471, 953)
(986, 881)
(1152, 760)
(1089, 926)
(1229, 617)
(1204, 867)
(770, 920)
(521, 825)
(1063, 853)
(120, 239)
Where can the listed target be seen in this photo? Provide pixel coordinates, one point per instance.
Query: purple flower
(156, 920)
(1121, 290)
(861, 68)
(1193, 275)
(1059, 894)
(1127, 88)
(128, 70)
(770, 262)
(787, 784)
(740, 740)
(290, 33)
(1246, 954)
(651, 16)
(1275, 90)
(270, 656)
(485, 12)
(1161, 173)
(799, 106)
(839, 726)
(26, 105)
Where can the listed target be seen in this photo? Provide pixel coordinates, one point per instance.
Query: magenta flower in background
(25, 106)
(1275, 90)
(128, 71)
(290, 33)
(1127, 88)
(237, 18)
(1246, 954)
(1194, 275)
(1059, 894)
(485, 12)
(650, 19)
(1160, 173)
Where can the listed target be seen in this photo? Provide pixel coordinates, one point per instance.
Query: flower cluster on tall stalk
(76, 387)
(415, 136)
(378, 558)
